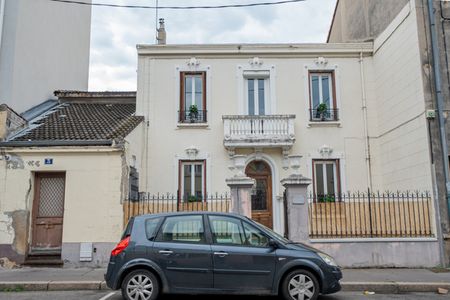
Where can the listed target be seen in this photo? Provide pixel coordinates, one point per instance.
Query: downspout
(366, 125)
(2, 17)
(439, 99)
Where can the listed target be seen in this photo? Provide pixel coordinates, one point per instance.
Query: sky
(116, 31)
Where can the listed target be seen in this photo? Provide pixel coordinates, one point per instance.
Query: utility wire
(178, 7)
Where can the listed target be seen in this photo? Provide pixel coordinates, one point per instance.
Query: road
(108, 295)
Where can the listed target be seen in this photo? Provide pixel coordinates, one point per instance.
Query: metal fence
(370, 215)
(148, 203)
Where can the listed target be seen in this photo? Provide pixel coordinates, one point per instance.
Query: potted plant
(322, 110)
(193, 112)
(192, 198)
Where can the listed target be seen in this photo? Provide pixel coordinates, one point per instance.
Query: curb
(18, 286)
(394, 287)
(377, 287)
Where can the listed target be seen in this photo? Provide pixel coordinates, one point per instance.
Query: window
(232, 231)
(193, 97)
(257, 95)
(322, 97)
(326, 180)
(227, 230)
(192, 180)
(183, 229)
(254, 236)
(151, 225)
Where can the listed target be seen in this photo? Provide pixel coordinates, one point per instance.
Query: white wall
(401, 157)
(45, 47)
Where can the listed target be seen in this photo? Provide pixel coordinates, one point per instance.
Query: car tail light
(122, 245)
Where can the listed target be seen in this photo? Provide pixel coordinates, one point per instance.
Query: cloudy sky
(116, 31)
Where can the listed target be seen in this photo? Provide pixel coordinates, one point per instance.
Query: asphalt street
(108, 295)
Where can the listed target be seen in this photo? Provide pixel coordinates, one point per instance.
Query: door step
(44, 260)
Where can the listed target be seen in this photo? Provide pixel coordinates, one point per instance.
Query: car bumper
(331, 283)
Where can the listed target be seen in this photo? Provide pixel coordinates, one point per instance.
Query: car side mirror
(273, 244)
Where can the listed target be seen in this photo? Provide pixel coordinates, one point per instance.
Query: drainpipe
(366, 125)
(439, 99)
(2, 16)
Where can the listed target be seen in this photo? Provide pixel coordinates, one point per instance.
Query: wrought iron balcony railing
(186, 116)
(316, 115)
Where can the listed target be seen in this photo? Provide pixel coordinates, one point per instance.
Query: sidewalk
(376, 280)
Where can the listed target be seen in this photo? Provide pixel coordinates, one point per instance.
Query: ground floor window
(192, 180)
(326, 180)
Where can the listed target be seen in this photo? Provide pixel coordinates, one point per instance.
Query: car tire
(300, 282)
(140, 284)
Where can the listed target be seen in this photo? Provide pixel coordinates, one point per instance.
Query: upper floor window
(193, 97)
(322, 97)
(257, 95)
(192, 180)
(326, 180)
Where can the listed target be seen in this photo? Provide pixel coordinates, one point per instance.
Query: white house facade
(210, 107)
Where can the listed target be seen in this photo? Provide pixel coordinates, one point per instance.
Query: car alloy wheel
(300, 285)
(140, 285)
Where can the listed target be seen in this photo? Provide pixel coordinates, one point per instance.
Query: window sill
(324, 124)
(192, 125)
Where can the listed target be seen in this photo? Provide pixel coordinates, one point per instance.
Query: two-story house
(207, 105)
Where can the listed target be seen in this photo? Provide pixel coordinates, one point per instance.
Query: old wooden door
(48, 211)
(262, 195)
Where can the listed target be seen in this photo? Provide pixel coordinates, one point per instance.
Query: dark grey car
(215, 253)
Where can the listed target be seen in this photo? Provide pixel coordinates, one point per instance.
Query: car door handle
(165, 252)
(221, 254)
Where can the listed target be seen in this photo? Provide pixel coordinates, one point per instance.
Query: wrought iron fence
(148, 203)
(318, 115)
(187, 116)
(370, 215)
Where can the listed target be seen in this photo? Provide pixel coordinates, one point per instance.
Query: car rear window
(151, 227)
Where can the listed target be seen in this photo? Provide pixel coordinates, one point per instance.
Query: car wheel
(300, 285)
(140, 285)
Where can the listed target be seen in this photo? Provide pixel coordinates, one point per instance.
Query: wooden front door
(48, 211)
(262, 195)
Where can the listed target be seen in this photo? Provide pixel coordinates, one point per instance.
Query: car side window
(182, 229)
(226, 230)
(254, 236)
(151, 225)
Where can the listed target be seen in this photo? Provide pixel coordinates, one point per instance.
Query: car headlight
(328, 259)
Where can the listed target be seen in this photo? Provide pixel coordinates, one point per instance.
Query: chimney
(161, 38)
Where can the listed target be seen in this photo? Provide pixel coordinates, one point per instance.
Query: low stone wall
(406, 253)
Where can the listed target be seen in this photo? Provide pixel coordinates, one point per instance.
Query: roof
(79, 123)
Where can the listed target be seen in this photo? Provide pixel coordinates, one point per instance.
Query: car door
(242, 258)
(182, 252)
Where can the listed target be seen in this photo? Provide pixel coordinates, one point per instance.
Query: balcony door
(262, 193)
(257, 96)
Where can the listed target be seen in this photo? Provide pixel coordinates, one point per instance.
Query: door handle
(221, 254)
(165, 252)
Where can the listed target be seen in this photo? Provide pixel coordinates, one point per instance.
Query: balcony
(242, 131)
(325, 115)
(186, 116)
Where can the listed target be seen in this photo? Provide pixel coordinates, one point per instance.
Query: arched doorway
(262, 195)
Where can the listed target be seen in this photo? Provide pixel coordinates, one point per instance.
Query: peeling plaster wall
(92, 208)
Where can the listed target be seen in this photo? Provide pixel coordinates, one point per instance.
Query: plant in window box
(322, 111)
(193, 198)
(193, 112)
(327, 198)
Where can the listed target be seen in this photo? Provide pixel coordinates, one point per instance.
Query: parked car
(215, 253)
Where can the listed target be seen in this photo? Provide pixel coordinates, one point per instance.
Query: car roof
(185, 213)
